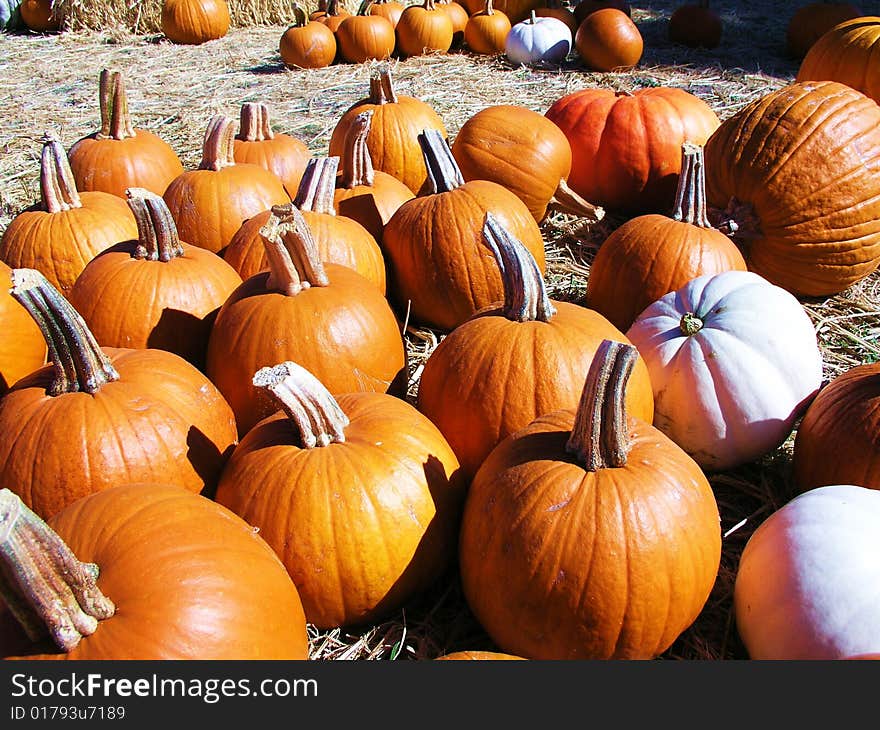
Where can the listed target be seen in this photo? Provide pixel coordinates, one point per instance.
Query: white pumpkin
(733, 361)
(808, 581)
(537, 40)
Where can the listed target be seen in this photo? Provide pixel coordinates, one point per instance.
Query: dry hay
(51, 82)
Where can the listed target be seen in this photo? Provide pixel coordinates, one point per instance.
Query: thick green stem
(254, 123)
(443, 170)
(218, 150)
(311, 409)
(115, 119)
(525, 295)
(315, 191)
(158, 239)
(690, 198)
(47, 589)
(599, 437)
(57, 185)
(356, 163)
(292, 253)
(80, 364)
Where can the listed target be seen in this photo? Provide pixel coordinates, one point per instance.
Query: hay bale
(143, 16)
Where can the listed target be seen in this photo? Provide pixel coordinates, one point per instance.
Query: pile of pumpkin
(206, 436)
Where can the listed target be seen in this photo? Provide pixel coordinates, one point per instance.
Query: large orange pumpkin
(193, 22)
(797, 172)
(23, 349)
(589, 534)
(361, 499)
(626, 147)
(811, 21)
(144, 571)
(95, 418)
(424, 28)
(119, 156)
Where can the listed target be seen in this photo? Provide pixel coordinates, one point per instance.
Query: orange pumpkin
(94, 418)
(509, 364)
(66, 229)
(374, 480)
(307, 43)
(365, 36)
(811, 21)
(390, 9)
(424, 28)
(210, 204)
(459, 17)
(695, 25)
(589, 534)
(118, 156)
(193, 22)
(555, 9)
(40, 16)
(144, 571)
(476, 655)
(607, 40)
(332, 16)
(486, 30)
(23, 349)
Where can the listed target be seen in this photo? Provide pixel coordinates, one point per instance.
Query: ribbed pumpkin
(156, 291)
(210, 204)
(535, 41)
(588, 534)
(364, 36)
(650, 255)
(306, 43)
(442, 271)
(94, 418)
(396, 124)
(328, 318)
(459, 17)
(119, 156)
(524, 152)
(518, 10)
(193, 22)
(847, 53)
(555, 9)
(256, 143)
(363, 193)
(509, 364)
(332, 15)
(607, 40)
(486, 30)
(23, 349)
(144, 571)
(811, 21)
(838, 439)
(798, 173)
(423, 28)
(360, 496)
(390, 9)
(66, 229)
(626, 147)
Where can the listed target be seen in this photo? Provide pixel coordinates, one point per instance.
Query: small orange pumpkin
(193, 22)
(486, 30)
(307, 43)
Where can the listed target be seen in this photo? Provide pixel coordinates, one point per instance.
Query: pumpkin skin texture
(189, 596)
(367, 522)
(555, 9)
(798, 170)
(509, 364)
(39, 16)
(210, 204)
(811, 21)
(561, 562)
(390, 9)
(607, 40)
(424, 28)
(23, 348)
(515, 10)
(847, 53)
(838, 439)
(695, 25)
(307, 44)
(434, 245)
(650, 255)
(486, 30)
(157, 291)
(113, 416)
(538, 40)
(193, 22)
(63, 232)
(733, 361)
(626, 148)
(396, 123)
(805, 586)
(365, 37)
(119, 156)
(523, 151)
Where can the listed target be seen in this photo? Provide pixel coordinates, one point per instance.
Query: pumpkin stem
(315, 191)
(690, 324)
(253, 125)
(690, 197)
(46, 588)
(218, 150)
(381, 84)
(309, 406)
(525, 296)
(158, 239)
(599, 436)
(80, 364)
(57, 185)
(488, 9)
(568, 201)
(299, 15)
(292, 252)
(333, 7)
(738, 220)
(115, 119)
(443, 170)
(364, 7)
(357, 164)
(429, 5)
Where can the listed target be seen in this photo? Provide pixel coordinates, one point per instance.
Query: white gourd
(537, 40)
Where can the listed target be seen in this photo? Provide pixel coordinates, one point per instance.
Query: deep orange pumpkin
(365, 36)
(695, 25)
(165, 574)
(811, 21)
(374, 480)
(589, 534)
(40, 16)
(486, 30)
(390, 9)
(95, 418)
(424, 28)
(23, 349)
(476, 655)
(119, 156)
(607, 40)
(193, 22)
(307, 43)
(555, 9)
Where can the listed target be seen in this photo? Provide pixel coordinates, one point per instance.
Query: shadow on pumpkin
(206, 460)
(183, 334)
